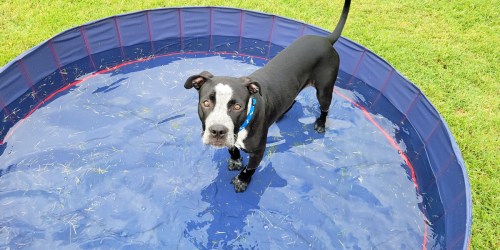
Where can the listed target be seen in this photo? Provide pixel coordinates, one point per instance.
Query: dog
(236, 112)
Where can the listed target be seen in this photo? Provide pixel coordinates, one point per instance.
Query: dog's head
(223, 105)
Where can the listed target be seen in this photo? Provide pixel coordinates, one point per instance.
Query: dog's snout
(218, 131)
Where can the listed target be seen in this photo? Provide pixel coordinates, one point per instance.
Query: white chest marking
(242, 135)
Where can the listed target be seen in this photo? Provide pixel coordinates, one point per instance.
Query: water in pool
(117, 162)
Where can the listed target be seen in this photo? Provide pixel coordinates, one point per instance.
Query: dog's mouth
(219, 142)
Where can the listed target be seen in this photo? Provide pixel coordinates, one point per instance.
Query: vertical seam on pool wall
(7, 113)
(56, 59)
(181, 35)
(118, 34)
(242, 17)
(358, 65)
(210, 30)
(410, 108)
(270, 39)
(441, 171)
(302, 30)
(438, 123)
(26, 76)
(87, 46)
(384, 86)
(150, 34)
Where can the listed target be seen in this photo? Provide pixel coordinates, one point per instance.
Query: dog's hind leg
(324, 84)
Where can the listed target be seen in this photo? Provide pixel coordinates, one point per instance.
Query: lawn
(449, 49)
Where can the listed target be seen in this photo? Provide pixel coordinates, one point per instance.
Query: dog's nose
(218, 131)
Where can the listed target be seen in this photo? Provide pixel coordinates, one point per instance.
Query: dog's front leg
(236, 161)
(242, 180)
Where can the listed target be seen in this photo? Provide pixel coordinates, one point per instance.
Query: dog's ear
(197, 81)
(252, 86)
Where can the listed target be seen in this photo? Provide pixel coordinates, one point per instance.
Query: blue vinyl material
(57, 87)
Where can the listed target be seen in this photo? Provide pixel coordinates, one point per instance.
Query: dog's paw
(319, 125)
(235, 164)
(239, 185)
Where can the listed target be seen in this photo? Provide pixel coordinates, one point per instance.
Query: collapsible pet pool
(100, 146)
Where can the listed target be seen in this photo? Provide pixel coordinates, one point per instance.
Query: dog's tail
(335, 35)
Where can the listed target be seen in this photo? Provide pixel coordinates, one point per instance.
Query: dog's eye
(206, 104)
(236, 106)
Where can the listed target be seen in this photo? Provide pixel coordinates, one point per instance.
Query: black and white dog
(237, 112)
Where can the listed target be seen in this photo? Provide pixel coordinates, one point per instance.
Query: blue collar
(250, 114)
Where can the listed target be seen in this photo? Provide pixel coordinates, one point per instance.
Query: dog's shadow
(222, 224)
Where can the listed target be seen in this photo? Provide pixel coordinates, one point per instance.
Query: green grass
(449, 49)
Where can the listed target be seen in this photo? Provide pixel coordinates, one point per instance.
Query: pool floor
(117, 162)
